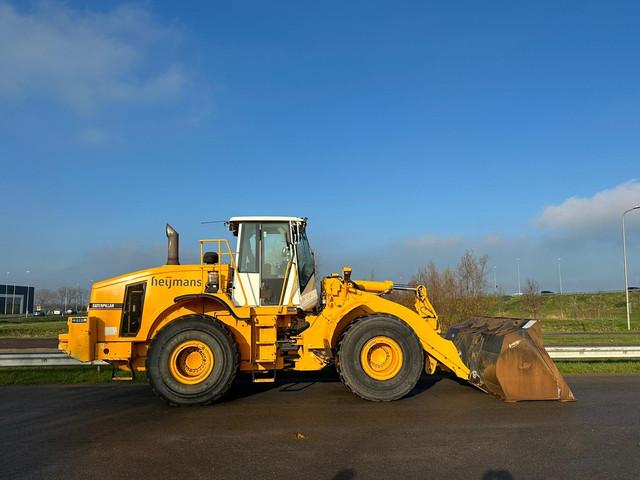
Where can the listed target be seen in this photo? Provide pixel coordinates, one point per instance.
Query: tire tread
(345, 336)
(208, 322)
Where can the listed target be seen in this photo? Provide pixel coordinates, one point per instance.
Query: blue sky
(405, 132)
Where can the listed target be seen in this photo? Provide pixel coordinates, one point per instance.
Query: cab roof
(235, 221)
(266, 218)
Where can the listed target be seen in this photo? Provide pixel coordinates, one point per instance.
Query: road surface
(317, 430)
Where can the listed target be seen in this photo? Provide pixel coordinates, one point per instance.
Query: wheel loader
(257, 310)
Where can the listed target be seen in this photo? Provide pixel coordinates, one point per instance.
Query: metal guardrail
(16, 358)
(594, 353)
(39, 359)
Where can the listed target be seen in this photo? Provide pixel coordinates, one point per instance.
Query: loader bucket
(507, 359)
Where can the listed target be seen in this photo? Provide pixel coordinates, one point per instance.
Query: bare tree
(457, 294)
(45, 297)
(73, 297)
(62, 296)
(532, 298)
(472, 286)
(441, 288)
(471, 274)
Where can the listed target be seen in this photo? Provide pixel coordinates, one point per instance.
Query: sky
(405, 131)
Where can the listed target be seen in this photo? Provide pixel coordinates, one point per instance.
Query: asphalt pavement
(313, 428)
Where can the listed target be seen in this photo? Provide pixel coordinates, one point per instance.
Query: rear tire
(379, 358)
(192, 361)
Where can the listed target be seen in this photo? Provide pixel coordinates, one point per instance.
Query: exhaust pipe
(172, 246)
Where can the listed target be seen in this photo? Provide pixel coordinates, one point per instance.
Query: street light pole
(518, 265)
(495, 279)
(13, 297)
(26, 309)
(560, 275)
(626, 274)
(6, 292)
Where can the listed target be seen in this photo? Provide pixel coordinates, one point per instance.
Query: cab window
(275, 258)
(132, 309)
(305, 261)
(248, 258)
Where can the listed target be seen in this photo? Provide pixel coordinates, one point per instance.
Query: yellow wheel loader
(257, 310)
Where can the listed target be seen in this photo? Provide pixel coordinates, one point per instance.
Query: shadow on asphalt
(350, 474)
(291, 382)
(285, 382)
(345, 474)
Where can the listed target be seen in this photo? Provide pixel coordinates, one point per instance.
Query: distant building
(16, 299)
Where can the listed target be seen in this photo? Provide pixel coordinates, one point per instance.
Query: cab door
(265, 258)
(276, 261)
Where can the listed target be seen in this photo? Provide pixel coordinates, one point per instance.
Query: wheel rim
(191, 362)
(381, 358)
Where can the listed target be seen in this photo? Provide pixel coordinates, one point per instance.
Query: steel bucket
(507, 358)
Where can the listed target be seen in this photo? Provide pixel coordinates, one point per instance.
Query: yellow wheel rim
(381, 358)
(191, 362)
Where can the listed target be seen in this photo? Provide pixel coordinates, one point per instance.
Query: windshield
(305, 261)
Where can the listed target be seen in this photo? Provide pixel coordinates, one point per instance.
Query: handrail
(285, 285)
(285, 282)
(232, 257)
(293, 287)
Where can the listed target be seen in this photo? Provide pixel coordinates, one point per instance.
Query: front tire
(379, 358)
(192, 361)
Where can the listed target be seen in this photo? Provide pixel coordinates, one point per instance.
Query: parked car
(70, 311)
(56, 311)
(39, 313)
(546, 292)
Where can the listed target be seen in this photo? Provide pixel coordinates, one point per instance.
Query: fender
(172, 311)
(214, 298)
(343, 304)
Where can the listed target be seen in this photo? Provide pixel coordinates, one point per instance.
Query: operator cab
(275, 265)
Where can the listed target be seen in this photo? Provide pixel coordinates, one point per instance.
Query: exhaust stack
(172, 246)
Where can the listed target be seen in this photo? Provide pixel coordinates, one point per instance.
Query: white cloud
(583, 232)
(87, 59)
(434, 242)
(598, 212)
(93, 136)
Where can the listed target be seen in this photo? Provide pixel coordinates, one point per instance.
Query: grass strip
(53, 375)
(59, 375)
(33, 329)
(32, 319)
(608, 367)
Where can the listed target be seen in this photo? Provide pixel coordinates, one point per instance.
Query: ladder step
(264, 376)
(264, 380)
